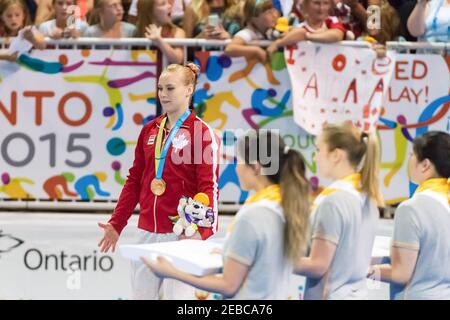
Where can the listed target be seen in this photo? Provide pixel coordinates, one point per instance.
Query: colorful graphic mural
(69, 132)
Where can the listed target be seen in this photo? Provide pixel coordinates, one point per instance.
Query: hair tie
(286, 149)
(192, 67)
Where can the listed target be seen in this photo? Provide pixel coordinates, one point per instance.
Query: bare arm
(174, 55)
(8, 56)
(292, 37)
(328, 36)
(228, 283)
(319, 260)
(239, 48)
(35, 37)
(401, 269)
(416, 21)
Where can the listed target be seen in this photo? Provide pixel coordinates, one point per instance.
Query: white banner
(417, 101)
(64, 134)
(69, 129)
(55, 256)
(333, 84)
(237, 94)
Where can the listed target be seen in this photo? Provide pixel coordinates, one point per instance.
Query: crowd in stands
(376, 21)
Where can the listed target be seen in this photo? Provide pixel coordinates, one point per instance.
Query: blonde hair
(5, 4)
(295, 202)
(94, 16)
(145, 17)
(253, 8)
(189, 71)
(390, 23)
(202, 9)
(293, 184)
(362, 149)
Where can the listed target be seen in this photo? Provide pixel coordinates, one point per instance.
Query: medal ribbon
(160, 156)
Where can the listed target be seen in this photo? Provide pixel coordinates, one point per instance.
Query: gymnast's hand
(109, 239)
(161, 267)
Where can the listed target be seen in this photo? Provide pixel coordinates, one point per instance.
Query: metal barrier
(204, 43)
(429, 47)
(129, 43)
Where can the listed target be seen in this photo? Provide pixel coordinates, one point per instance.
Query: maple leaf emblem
(179, 142)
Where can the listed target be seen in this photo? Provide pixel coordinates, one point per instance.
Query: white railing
(204, 43)
(129, 43)
(406, 47)
(187, 42)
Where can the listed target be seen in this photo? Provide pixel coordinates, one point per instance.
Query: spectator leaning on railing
(154, 22)
(58, 28)
(106, 21)
(198, 24)
(14, 18)
(45, 10)
(318, 26)
(178, 8)
(260, 16)
(430, 20)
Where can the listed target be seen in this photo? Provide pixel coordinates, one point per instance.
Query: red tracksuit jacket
(192, 166)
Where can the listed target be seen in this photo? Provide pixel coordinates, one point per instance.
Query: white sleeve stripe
(215, 148)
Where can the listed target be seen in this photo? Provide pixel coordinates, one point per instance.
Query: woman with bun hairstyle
(177, 154)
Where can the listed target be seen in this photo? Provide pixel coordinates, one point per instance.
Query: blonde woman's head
(176, 86)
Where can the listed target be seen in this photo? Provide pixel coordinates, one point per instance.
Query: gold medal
(158, 186)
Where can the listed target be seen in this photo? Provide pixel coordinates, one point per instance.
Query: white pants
(146, 285)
